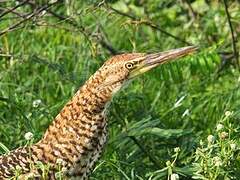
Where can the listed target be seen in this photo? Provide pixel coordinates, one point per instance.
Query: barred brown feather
(78, 133)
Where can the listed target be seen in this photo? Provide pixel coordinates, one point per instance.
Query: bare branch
(234, 40)
(148, 23)
(12, 9)
(79, 28)
(109, 47)
(28, 17)
(67, 19)
(193, 14)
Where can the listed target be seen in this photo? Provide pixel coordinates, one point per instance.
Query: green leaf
(162, 133)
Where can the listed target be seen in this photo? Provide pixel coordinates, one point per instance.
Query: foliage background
(48, 50)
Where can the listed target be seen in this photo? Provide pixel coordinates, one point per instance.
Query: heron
(76, 137)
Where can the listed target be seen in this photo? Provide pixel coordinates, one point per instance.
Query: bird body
(74, 141)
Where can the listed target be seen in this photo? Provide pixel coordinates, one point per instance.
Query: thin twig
(80, 28)
(29, 16)
(60, 17)
(16, 25)
(109, 47)
(191, 9)
(151, 158)
(154, 26)
(68, 20)
(104, 44)
(64, 19)
(12, 9)
(103, 40)
(234, 40)
(148, 23)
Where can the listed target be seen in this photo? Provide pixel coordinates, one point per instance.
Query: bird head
(122, 68)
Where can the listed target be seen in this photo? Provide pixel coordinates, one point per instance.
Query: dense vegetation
(181, 119)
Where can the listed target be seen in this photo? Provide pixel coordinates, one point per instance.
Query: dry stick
(191, 9)
(14, 12)
(81, 29)
(14, 26)
(104, 44)
(12, 9)
(234, 41)
(60, 17)
(68, 20)
(151, 158)
(154, 26)
(109, 47)
(71, 22)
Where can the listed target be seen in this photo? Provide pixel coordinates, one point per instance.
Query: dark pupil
(129, 65)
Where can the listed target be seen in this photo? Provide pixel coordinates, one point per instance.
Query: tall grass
(160, 124)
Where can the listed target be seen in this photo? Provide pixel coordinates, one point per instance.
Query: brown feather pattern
(77, 134)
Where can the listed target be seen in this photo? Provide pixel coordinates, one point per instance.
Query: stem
(152, 159)
(234, 41)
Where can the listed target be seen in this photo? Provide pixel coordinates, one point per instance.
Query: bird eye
(129, 65)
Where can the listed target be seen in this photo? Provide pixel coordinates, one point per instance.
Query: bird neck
(78, 132)
(88, 104)
(94, 96)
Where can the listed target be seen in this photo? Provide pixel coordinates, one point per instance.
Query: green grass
(176, 105)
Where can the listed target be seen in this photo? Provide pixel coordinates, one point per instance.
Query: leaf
(6, 150)
(162, 133)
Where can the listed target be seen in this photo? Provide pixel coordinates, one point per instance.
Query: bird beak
(153, 60)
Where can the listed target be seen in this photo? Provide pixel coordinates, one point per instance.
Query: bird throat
(73, 142)
(79, 131)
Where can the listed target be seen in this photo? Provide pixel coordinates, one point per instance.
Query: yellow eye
(129, 65)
